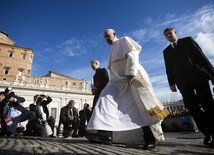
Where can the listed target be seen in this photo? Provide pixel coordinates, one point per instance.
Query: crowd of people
(39, 121)
(124, 99)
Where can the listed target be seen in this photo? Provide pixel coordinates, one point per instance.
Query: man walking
(189, 70)
(100, 79)
(128, 101)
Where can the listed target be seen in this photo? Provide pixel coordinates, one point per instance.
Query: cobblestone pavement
(183, 143)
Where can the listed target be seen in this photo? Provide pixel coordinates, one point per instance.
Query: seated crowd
(39, 122)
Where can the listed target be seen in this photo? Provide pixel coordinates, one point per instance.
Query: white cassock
(127, 107)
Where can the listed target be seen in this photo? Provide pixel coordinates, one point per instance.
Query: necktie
(175, 46)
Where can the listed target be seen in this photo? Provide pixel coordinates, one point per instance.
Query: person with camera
(40, 103)
(70, 119)
(12, 112)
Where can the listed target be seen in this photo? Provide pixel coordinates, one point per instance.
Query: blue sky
(66, 34)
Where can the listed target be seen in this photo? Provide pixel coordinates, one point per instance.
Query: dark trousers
(96, 96)
(51, 123)
(82, 130)
(148, 135)
(198, 99)
(28, 115)
(68, 126)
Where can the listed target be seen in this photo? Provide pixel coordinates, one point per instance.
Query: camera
(9, 93)
(40, 99)
(44, 122)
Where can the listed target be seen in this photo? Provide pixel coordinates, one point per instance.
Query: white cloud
(72, 47)
(85, 72)
(75, 47)
(206, 40)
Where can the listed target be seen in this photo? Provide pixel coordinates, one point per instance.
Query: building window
(80, 84)
(6, 70)
(10, 54)
(36, 81)
(24, 56)
(53, 112)
(66, 83)
(74, 83)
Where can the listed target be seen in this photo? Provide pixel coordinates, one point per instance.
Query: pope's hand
(173, 88)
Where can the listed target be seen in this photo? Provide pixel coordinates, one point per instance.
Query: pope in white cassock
(128, 101)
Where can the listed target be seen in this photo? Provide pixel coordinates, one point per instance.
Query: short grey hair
(110, 31)
(95, 61)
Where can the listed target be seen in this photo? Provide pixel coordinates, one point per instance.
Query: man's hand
(70, 118)
(173, 88)
(129, 78)
(12, 99)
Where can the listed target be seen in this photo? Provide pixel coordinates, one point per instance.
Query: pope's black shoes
(149, 146)
(95, 138)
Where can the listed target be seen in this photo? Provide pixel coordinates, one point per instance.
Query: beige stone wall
(52, 82)
(5, 39)
(15, 59)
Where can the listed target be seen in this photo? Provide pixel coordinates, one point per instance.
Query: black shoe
(92, 138)
(52, 136)
(148, 146)
(207, 140)
(99, 139)
(11, 136)
(75, 135)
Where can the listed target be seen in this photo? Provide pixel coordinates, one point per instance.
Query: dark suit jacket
(16, 105)
(44, 104)
(64, 115)
(187, 63)
(100, 79)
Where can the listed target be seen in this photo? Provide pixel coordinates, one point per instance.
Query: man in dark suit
(70, 119)
(100, 80)
(189, 70)
(84, 116)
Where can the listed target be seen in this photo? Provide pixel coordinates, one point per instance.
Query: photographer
(42, 101)
(12, 113)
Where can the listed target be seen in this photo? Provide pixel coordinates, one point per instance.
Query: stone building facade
(15, 71)
(16, 61)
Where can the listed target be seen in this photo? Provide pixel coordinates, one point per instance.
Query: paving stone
(176, 143)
